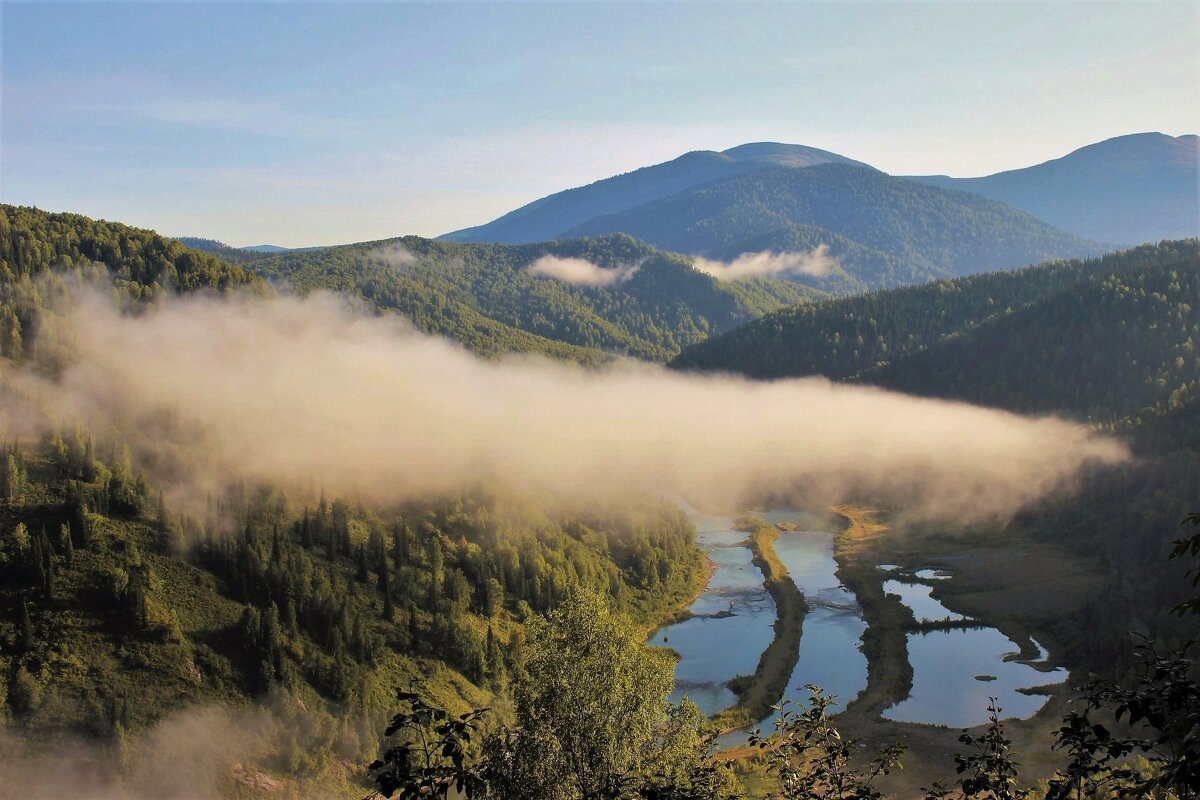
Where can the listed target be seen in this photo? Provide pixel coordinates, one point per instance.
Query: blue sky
(303, 124)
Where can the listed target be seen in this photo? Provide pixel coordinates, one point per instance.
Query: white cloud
(816, 263)
(578, 272)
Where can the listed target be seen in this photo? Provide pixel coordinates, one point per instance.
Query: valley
(967, 661)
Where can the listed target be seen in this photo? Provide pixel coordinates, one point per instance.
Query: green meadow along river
(955, 670)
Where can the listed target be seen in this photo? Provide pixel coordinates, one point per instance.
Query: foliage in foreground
(593, 722)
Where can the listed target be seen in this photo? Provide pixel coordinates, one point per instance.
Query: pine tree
(64, 536)
(50, 569)
(385, 586)
(27, 637)
(364, 570)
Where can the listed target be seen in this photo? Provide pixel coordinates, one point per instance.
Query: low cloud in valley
(815, 264)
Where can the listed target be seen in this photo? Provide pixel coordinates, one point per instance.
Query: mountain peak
(1141, 187)
(553, 216)
(1142, 146)
(787, 155)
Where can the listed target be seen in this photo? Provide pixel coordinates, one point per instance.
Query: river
(955, 671)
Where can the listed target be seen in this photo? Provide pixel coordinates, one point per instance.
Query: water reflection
(919, 598)
(956, 671)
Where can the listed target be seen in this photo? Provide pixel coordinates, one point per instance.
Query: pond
(919, 598)
(956, 671)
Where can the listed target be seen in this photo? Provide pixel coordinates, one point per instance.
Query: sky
(305, 124)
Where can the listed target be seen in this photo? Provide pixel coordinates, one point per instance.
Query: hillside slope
(1130, 189)
(1098, 338)
(454, 289)
(33, 242)
(286, 627)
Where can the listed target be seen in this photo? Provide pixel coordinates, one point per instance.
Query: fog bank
(314, 393)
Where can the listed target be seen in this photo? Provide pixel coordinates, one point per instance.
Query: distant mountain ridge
(1130, 189)
(883, 231)
(550, 217)
(1126, 190)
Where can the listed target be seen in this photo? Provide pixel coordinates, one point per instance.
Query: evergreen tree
(27, 638)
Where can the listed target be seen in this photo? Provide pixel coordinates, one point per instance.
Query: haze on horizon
(302, 125)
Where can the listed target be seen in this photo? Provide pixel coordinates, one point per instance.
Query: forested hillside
(115, 611)
(1097, 338)
(139, 263)
(118, 611)
(486, 297)
(483, 296)
(33, 242)
(883, 231)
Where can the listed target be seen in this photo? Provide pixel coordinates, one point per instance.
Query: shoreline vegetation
(885, 640)
(681, 611)
(758, 693)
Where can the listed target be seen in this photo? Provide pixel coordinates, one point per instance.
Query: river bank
(889, 674)
(758, 692)
(682, 610)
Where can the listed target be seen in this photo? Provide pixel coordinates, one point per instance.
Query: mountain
(266, 248)
(1130, 189)
(655, 304)
(550, 217)
(883, 231)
